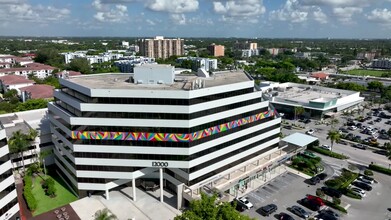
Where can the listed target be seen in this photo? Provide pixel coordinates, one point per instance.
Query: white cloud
(292, 11)
(320, 16)
(345, 14)
(178, 19)
(381, 16)
(340, 3)
(16, 11)
(110, 13)
(173, 6)
(239, 10)
(150, 22)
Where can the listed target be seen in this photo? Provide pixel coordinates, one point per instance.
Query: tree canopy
(206, 208)
(80, 65)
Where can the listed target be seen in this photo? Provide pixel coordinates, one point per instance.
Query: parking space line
(255, 196)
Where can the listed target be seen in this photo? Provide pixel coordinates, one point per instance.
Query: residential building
(7, 58)
(317, 101)
(250, 52)
(199, 62)
(216, 50)
(161, 48)
(381, 64)
(36, 92)
(66, 74)
(126, 64)
(9, 207)
(14, 82)
(192, 131)
(103, 57)
(125, 44)
(246, 45)
(320, 76)
(36, 69)
(5, 65)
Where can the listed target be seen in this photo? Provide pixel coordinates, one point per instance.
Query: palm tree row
(20, 142)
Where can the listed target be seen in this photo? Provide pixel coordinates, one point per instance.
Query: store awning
(299, 139)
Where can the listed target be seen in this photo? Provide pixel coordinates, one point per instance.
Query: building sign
(159, 164)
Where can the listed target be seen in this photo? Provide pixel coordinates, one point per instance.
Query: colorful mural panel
(147, 136)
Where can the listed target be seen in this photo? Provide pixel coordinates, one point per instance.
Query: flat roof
(182, 81)
(299, 139)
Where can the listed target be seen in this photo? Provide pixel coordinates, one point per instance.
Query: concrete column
(107, 194)
(179, 193)
(161, 184)
(245, 168)
(134, 189)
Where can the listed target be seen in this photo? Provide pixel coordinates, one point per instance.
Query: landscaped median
(380, 169)
(306, 164)
(342, 183)
(327, 152)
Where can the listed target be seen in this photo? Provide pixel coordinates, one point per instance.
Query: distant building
(7, 58)
(125, 44)
(127, 64)
(162, 48)
(250, 52)
(14, 82)
(36, 69)
(245, 45)
(36, 92)
(381, 64)
(320, 76)
(367, 55)
(5, 65)
(198, 62)
(66, 74)
(216, 50)
(103, 57)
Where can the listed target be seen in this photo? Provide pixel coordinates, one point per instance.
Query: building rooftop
(39, 91)
(24, 121)
(182, 81)
(299, 139)
(14, 79)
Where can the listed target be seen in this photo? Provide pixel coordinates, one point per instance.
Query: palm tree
(333, 136)
(18, 143)
(104, 214)
(333, 122)
(298, 111)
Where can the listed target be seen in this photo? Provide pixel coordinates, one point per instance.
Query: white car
(358, 191)
(244, 201)
(353, 127)
(310, 132)
(326, 147)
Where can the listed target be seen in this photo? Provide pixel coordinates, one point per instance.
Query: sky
(197, 18)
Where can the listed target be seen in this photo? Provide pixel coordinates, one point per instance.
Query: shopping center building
(188, 133)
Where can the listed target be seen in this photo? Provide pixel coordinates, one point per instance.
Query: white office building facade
(9, 207)
(194, 130)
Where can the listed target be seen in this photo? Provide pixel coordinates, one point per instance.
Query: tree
(334, 122)
(80, 65)
(49, 56)
(206, 208)
(333, 136)
(18, 144)
(32, 104)
(104, 214)
(375, 86)
(12, 93)
(298, 111)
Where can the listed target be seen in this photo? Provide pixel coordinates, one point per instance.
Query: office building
(9, 207)
(161, 48)
(216, 50)
(191, 130)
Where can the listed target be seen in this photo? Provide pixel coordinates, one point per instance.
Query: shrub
(49, 186)
(328, 153)
(368, 172)
(352, 195)
(335, 206)
(379, 169)
(336, 201)
(320, 193)
(28, 194)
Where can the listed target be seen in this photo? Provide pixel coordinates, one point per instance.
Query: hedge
(28, 194)
(368, 172)
(349, 193)
(335, 206)
(328, 153)
(380, 169)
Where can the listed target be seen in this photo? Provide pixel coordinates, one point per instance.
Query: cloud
(319, 16)
(345, 14)
(105, 12)
(173, 6)
(340, 3)
(292, 12)
(178, 19)
(23, 12)
(381, 16)
(239, 10)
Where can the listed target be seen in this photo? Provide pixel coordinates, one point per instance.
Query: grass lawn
(358, 72)
(45, 203)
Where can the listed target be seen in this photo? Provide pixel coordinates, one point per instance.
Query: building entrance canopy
(299, 139)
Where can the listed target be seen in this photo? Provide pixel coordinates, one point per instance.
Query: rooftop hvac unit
(139, 82)
(160, 82)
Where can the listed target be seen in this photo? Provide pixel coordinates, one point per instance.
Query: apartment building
(9, 207)
(381, 64)
(216, 50)
(199, 62)
(161, 48)
(188, 130)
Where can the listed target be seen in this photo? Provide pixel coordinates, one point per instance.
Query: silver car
(300, 211)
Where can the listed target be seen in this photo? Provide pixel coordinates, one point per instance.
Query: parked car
(358, 191)
(360, 146)
(331, 192)
(326, 147)
(362, 185)
(368, 178)
(289, 127)
(378, 120)
(314, 180)
(343, 130)
(299, 211)
(384, 136)
(267, 210)
(329, 212)
(352, 127)
(365, 180)
(312, 202)
(310, 132)
(239, 206)
(284, 216)
(371, 123)
(322, 176)
(381, 152)
(244, 201)
(326, 216)
(307, 121)
(342, 142)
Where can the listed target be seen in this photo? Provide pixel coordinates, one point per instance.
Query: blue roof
(299, 139)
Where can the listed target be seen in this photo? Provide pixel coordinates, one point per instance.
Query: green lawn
(359, 72)
(45, 203)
